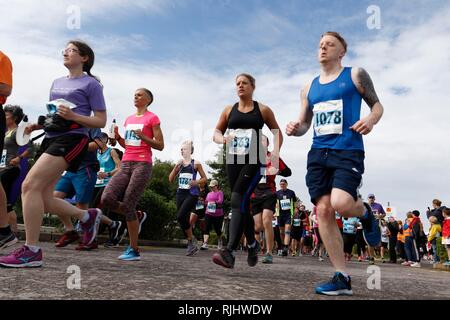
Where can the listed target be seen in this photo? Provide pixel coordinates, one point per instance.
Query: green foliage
(441, 250)
(219, 173)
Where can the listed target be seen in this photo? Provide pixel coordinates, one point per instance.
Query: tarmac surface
(167, 274)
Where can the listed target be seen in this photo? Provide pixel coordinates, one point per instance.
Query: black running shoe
(224, 258)
(114, 231)
(252, 258)
(8, 240)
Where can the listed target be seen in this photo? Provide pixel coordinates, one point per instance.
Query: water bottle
(111, 130)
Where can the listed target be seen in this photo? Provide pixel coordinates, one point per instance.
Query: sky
(188, 52)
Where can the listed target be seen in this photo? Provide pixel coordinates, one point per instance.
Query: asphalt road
(166, 273)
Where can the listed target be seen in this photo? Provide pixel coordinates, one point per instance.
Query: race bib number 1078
(328, 117)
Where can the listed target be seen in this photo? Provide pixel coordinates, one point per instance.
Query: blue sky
(188, 53)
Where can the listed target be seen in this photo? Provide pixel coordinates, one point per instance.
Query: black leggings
(185, 205)
(349, 242)
(8, 177)
(360, 242)
(215, 222)
(243, 179)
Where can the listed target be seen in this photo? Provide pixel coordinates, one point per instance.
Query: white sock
(33, 248)
(85, 217)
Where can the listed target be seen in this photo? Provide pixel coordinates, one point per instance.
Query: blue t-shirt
(350, 225)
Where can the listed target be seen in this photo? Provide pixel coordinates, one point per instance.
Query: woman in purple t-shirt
(62, 149)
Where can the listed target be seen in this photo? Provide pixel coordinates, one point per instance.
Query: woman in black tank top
(244, 122)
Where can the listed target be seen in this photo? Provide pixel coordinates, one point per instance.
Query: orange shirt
(5, 73)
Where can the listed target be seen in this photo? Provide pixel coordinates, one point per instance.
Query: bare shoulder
(305, 90)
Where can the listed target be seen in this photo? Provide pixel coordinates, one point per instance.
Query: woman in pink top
(121, 195)
(213, 214)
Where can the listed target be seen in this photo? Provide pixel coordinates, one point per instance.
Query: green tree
(219, 173)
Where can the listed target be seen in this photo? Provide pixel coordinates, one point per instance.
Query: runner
(81, 184)
(318, 247)
(63, 149)
(243, 162)
(199, 213)
(109, 163)
(297, 232)
(7, 236)
(10, 164)
(188, 191)
(214, 214)
(286, 202)
(122, 193)
(349, 235)
(336, 160)
(264, 198)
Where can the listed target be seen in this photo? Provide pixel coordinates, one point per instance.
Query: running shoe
(294, 253)
(338, 285)
(280, 253)
(252, 258)
(67, 238)
(268, 259)
(320, 259)
(446, 263)
(90, 227)
(130, 255)
(371, 228)
(141, 215)
(8, 240)
(191, 249)
(22, 257)
(114, 232)
(204, 246)
(416, 265)
(360, 259)
(224, 258)
(220, 244)
(406, 263)
(371, 260)
(89, 247)
(284, 252)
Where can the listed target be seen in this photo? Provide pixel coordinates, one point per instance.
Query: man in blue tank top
(332, 103)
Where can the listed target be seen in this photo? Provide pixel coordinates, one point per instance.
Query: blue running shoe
(371, 228)
(338, 285)
(130, 255)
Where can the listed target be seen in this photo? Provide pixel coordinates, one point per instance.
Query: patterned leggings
(126, 187)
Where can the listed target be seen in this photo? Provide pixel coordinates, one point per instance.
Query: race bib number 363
(241, 142)
(328, 117)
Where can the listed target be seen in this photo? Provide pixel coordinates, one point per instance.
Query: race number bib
(211, 207)
(285, 204)
(241, 142)
(100, 181)
(3, 160)
(274, 223)
(296, 223)
(328, 117)
(184, 180)
(199, 205)
(131, 139)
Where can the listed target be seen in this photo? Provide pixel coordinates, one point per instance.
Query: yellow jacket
(434, 230)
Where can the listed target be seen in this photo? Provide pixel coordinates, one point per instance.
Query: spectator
(436, 211)
(446, 233)
(433, 234)
(393, 236)
(401, 241)
(419, 235)
(410, 243)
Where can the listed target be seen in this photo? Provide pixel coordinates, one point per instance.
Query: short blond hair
(337, 36)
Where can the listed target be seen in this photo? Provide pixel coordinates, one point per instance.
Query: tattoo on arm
(365, 82)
